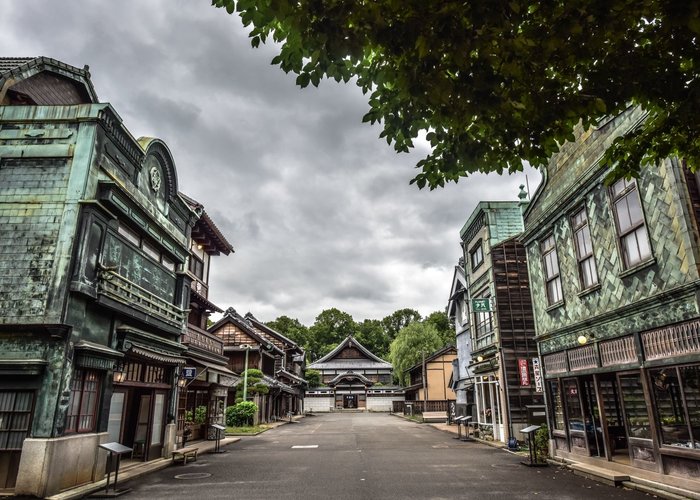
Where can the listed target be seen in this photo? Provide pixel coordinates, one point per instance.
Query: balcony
(196, 337)
(116, 287)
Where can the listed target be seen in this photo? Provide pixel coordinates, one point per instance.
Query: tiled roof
(10, 63)
(350, 364)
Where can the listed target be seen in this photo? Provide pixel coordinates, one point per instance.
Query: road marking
(298, 446)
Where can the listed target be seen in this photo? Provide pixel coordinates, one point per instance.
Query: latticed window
(584, 250)
(476, 255)
(550, 262)
(82, 408)
(15, 418)
(629, 221)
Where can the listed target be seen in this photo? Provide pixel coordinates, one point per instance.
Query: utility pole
(425, 382)
(245, 373)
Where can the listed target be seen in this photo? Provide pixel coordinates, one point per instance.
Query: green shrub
(542, 444)
(241, 413)
(200, 415)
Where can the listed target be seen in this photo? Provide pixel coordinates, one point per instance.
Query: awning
(96, 356)
(153, 353)
(227, 377)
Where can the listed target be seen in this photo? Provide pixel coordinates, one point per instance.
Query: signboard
(523, 372)
(189, 372)
(481, 305)
(537, 374)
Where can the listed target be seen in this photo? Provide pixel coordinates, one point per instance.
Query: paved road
(364, 456)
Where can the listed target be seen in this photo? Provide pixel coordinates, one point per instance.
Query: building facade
(353, 378)
(93, 296)
(617, 311)
(458, 313)
(501, 319)
(431, 379)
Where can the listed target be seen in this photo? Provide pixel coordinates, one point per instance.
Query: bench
(434, 416)
(185, 453)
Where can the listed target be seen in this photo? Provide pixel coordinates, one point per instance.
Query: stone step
(605, 476)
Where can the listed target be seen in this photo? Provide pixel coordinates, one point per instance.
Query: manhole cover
(193, 475)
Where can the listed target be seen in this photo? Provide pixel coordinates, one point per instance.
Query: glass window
(690, 375)
(168, 264)
(635, 406)
(574, 411)
(629, 221)
(476, 255)
(150, 250)
(196, 267)
(83, 401)
(15, 418)
(588, 273)
(550, 263)
(130, 235)
(669, 387)
(557, 405)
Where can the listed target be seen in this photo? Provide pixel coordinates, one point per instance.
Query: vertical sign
(537, 373)
(523, 372)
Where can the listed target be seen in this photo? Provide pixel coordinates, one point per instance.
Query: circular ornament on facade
(155, 178)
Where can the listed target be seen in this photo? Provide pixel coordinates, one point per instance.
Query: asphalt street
(364, 456)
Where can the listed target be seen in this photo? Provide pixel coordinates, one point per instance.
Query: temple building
(353, 378)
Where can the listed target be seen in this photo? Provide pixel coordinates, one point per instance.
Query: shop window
(675, 391)
(15, 417)
(82, 407)
(635, 406)
(629, 220)
(557, 405)
(574, 412)
(588, 273)
(550, 262)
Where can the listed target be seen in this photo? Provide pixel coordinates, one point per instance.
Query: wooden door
(155, 448)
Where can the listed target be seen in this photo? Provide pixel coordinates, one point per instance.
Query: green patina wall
(659, 293)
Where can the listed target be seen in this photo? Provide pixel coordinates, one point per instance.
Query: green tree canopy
(409, 346)
(495, 83)
(371, 334)
(254, 382)
(330, 329)
(313, 377)
(399, 319)
(291, 328)
(443, 326)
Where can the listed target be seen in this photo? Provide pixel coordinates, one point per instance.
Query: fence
(422, 406)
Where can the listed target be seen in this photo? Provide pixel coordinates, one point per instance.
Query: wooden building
(93, 297)
(248, 345)
(430, 380)
(615, 273)
(501, 319)
(353, 378)
(203, 395)
(458, 313)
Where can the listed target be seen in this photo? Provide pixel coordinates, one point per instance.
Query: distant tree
(254, 382)
(330, 328)
(292, 329)
(313, 377)
(496, 83)
(371, 334)
(398, 320)
(443, 326)
(410, 345)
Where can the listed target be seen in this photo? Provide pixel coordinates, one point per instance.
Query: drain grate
(193, 475)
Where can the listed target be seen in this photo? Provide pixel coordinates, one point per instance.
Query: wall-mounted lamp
(182, 382)
(585, 339)
(199, 246)
(479, 358)
(118, 373)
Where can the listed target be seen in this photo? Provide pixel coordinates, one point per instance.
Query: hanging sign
(523, 372)
(481, 305)
(537, 375)
(189, 372)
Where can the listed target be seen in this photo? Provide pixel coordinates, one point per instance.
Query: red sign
(523, 372)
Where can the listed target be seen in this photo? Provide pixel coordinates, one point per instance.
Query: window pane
(557, 406)
(573, 405)
(669, 407)
(129, 234)
(634, 207)
(643, 243)
(151, 251)
(690, 375)
(629, 246)
(635, 406)
(622, 213)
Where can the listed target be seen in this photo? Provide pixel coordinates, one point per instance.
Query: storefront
(633, 400)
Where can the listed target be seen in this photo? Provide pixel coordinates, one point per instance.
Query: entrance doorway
(350, 401)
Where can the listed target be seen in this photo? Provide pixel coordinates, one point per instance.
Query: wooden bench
(185, 453)
(434, 416)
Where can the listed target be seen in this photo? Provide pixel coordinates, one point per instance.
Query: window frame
(581, 259)
(629, 188)
(75, 421)
(556, 277)
(476, 250)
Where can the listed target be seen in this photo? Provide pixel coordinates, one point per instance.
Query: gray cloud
(318, 208)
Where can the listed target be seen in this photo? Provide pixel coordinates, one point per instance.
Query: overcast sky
(317, 207)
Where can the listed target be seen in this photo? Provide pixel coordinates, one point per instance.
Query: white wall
(381, 403)
(317, 405)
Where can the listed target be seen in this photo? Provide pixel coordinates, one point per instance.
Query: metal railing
(117, 287)
(672, 341)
